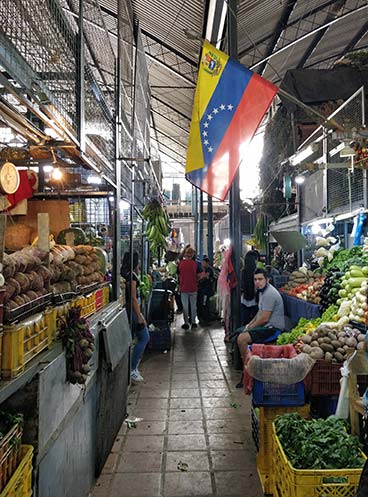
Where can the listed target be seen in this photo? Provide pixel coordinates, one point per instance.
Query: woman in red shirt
(188, 270)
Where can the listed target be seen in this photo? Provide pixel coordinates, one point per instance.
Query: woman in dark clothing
(138, 323)
(249, 305)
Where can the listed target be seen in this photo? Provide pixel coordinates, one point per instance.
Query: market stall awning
(291, 241)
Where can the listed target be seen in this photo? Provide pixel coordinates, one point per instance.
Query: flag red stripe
(249, 114)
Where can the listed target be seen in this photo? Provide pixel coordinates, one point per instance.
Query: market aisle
(191, 416)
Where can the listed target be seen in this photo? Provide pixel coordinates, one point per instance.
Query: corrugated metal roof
(264, 27)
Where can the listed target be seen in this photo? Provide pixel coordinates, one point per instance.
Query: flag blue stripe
(221, 108)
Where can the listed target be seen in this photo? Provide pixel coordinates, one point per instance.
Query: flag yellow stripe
(206, 84)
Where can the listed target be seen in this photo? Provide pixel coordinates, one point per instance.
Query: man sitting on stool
(269, 318)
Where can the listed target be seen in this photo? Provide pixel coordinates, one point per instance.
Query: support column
(116, 247)
(210, 229)
(234, 199)
(80, 80)
(201, 230)
(195, 215)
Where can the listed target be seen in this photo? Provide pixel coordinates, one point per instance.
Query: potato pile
(74, 266)
(331, 344)
(88, 259)
(301, 277)
(26, 277)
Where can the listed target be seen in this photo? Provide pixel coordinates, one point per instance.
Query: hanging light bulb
(299, 180)
(57, 174)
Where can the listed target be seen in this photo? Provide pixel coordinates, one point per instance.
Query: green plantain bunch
(158, 225)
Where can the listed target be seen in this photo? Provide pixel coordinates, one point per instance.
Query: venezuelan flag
(229, 104)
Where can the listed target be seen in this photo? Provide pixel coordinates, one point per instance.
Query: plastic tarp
(291, 241)
(321, 85)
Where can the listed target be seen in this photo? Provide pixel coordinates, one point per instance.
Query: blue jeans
(189, 299)
(142, 335)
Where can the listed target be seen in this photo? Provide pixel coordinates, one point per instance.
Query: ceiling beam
(280, 26)
(356, 38)
(162, 144)
(311, 33)
(172, 122)
(155, 59)
(171, 49)
(177, 142)
(318, 36)
(181, 114)
(309, 13)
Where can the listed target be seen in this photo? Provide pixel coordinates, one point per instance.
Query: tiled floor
(192, 415)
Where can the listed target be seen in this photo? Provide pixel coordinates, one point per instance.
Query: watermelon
(79, 236)
(102, 259)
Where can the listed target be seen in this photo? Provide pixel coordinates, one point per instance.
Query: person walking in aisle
(137, 321)
(188, 278)
(205, 291)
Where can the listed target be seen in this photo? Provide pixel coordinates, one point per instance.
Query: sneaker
(185, 326)
(136, 376)
(194, 325)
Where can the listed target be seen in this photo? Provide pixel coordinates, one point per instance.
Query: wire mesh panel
(345, 186)
(345, 189)
(41, 34)
(142, 102)
(311, 197)
(99, 124)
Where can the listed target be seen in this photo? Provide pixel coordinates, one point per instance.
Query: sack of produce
(280, 371)
(17, 236)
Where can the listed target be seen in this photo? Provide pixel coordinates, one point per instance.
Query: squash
(79, 236)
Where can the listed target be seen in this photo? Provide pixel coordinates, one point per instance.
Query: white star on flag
(230, 107)
(215, 111)
(209, 117)
(204, 133)
(206, 142)
(206, 124)
(222, 107)
(210, 149)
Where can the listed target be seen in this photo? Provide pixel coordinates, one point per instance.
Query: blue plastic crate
(323, 407)
(160, 338)
(275, 394)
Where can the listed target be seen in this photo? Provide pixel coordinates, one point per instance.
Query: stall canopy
(290, 241)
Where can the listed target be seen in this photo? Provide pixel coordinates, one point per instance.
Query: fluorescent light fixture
(337, 149)
(299, 180)
(94, 180)
(48, 169)
(52, 133)
(6, 135)
(302, 155)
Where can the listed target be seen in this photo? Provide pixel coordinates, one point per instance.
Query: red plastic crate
(99, 299)
(324, 379)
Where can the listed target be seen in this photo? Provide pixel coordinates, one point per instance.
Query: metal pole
(116, 215)
(201, 224)
(210, 229)
(234, 200)
(80, 80)
(195, 215)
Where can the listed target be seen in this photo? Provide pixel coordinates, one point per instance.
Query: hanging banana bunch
(158, 225)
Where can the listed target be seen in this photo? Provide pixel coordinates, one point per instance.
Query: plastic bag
(342, 409)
